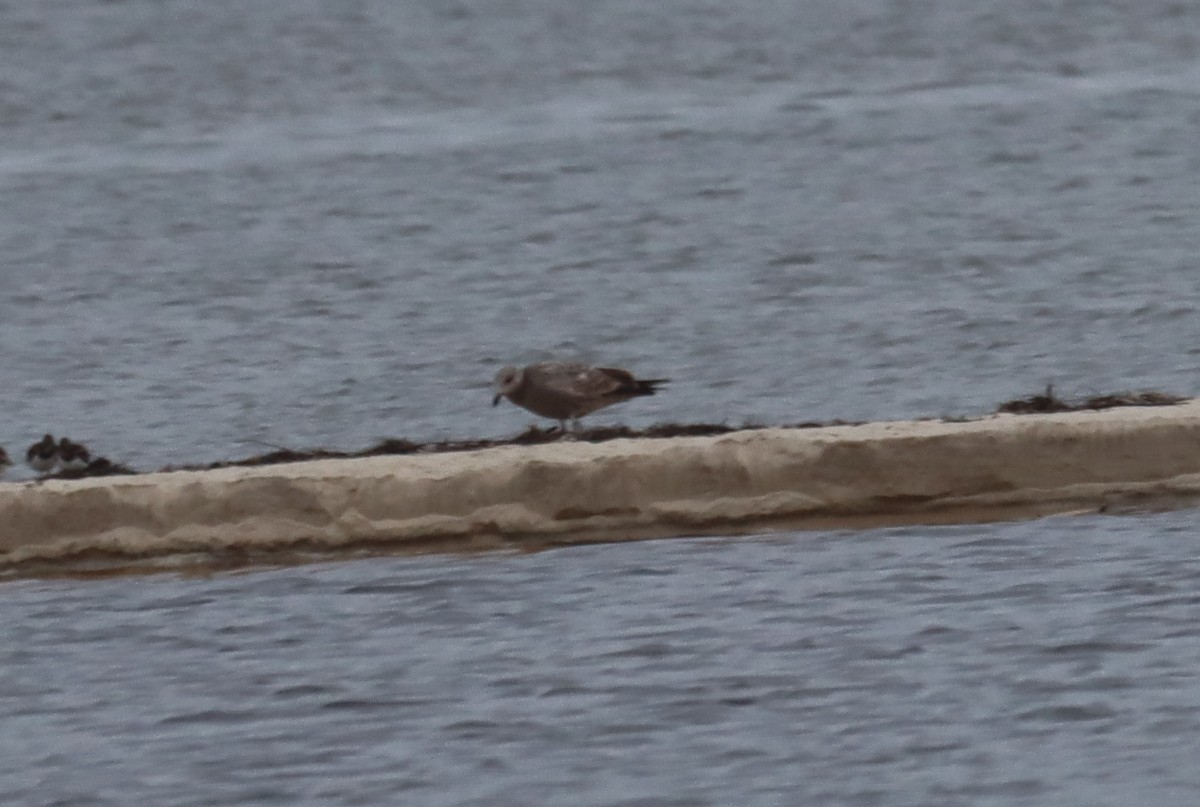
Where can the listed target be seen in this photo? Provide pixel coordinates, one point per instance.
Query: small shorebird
(5, 461)
(73, 456)
(42, 456)
(569, 390)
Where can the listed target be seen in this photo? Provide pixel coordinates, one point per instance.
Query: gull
(569, 390)
(5, 462)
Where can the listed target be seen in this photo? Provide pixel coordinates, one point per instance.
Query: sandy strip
(999, 467)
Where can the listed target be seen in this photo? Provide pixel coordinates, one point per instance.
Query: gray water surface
(310, 223)
(1050, 662)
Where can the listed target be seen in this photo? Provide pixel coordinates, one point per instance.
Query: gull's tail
(648, 386)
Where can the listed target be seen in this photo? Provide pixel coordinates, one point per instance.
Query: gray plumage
(569, 390)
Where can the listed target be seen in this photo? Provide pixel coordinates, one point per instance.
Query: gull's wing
(579, 380)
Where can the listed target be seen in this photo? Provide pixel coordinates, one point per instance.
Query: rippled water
(1049, 662)
(311, 226)
(315, 223)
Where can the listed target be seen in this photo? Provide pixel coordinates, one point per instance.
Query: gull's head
(507, 381)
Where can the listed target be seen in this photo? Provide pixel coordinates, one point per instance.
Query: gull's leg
(569, 428)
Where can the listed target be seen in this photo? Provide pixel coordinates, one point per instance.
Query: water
(1048, 662)
(324, 223)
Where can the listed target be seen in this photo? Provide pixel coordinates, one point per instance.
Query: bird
(42, 456)
(73, 456)
(5, 462)
(569, 390)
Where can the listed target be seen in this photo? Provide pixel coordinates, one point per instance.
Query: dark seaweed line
(1046, 402)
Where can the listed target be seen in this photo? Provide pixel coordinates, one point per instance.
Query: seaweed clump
(1048, 402)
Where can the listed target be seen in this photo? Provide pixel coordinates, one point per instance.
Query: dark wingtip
(496, 400)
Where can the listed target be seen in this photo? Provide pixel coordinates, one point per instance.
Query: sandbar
(997, 467)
